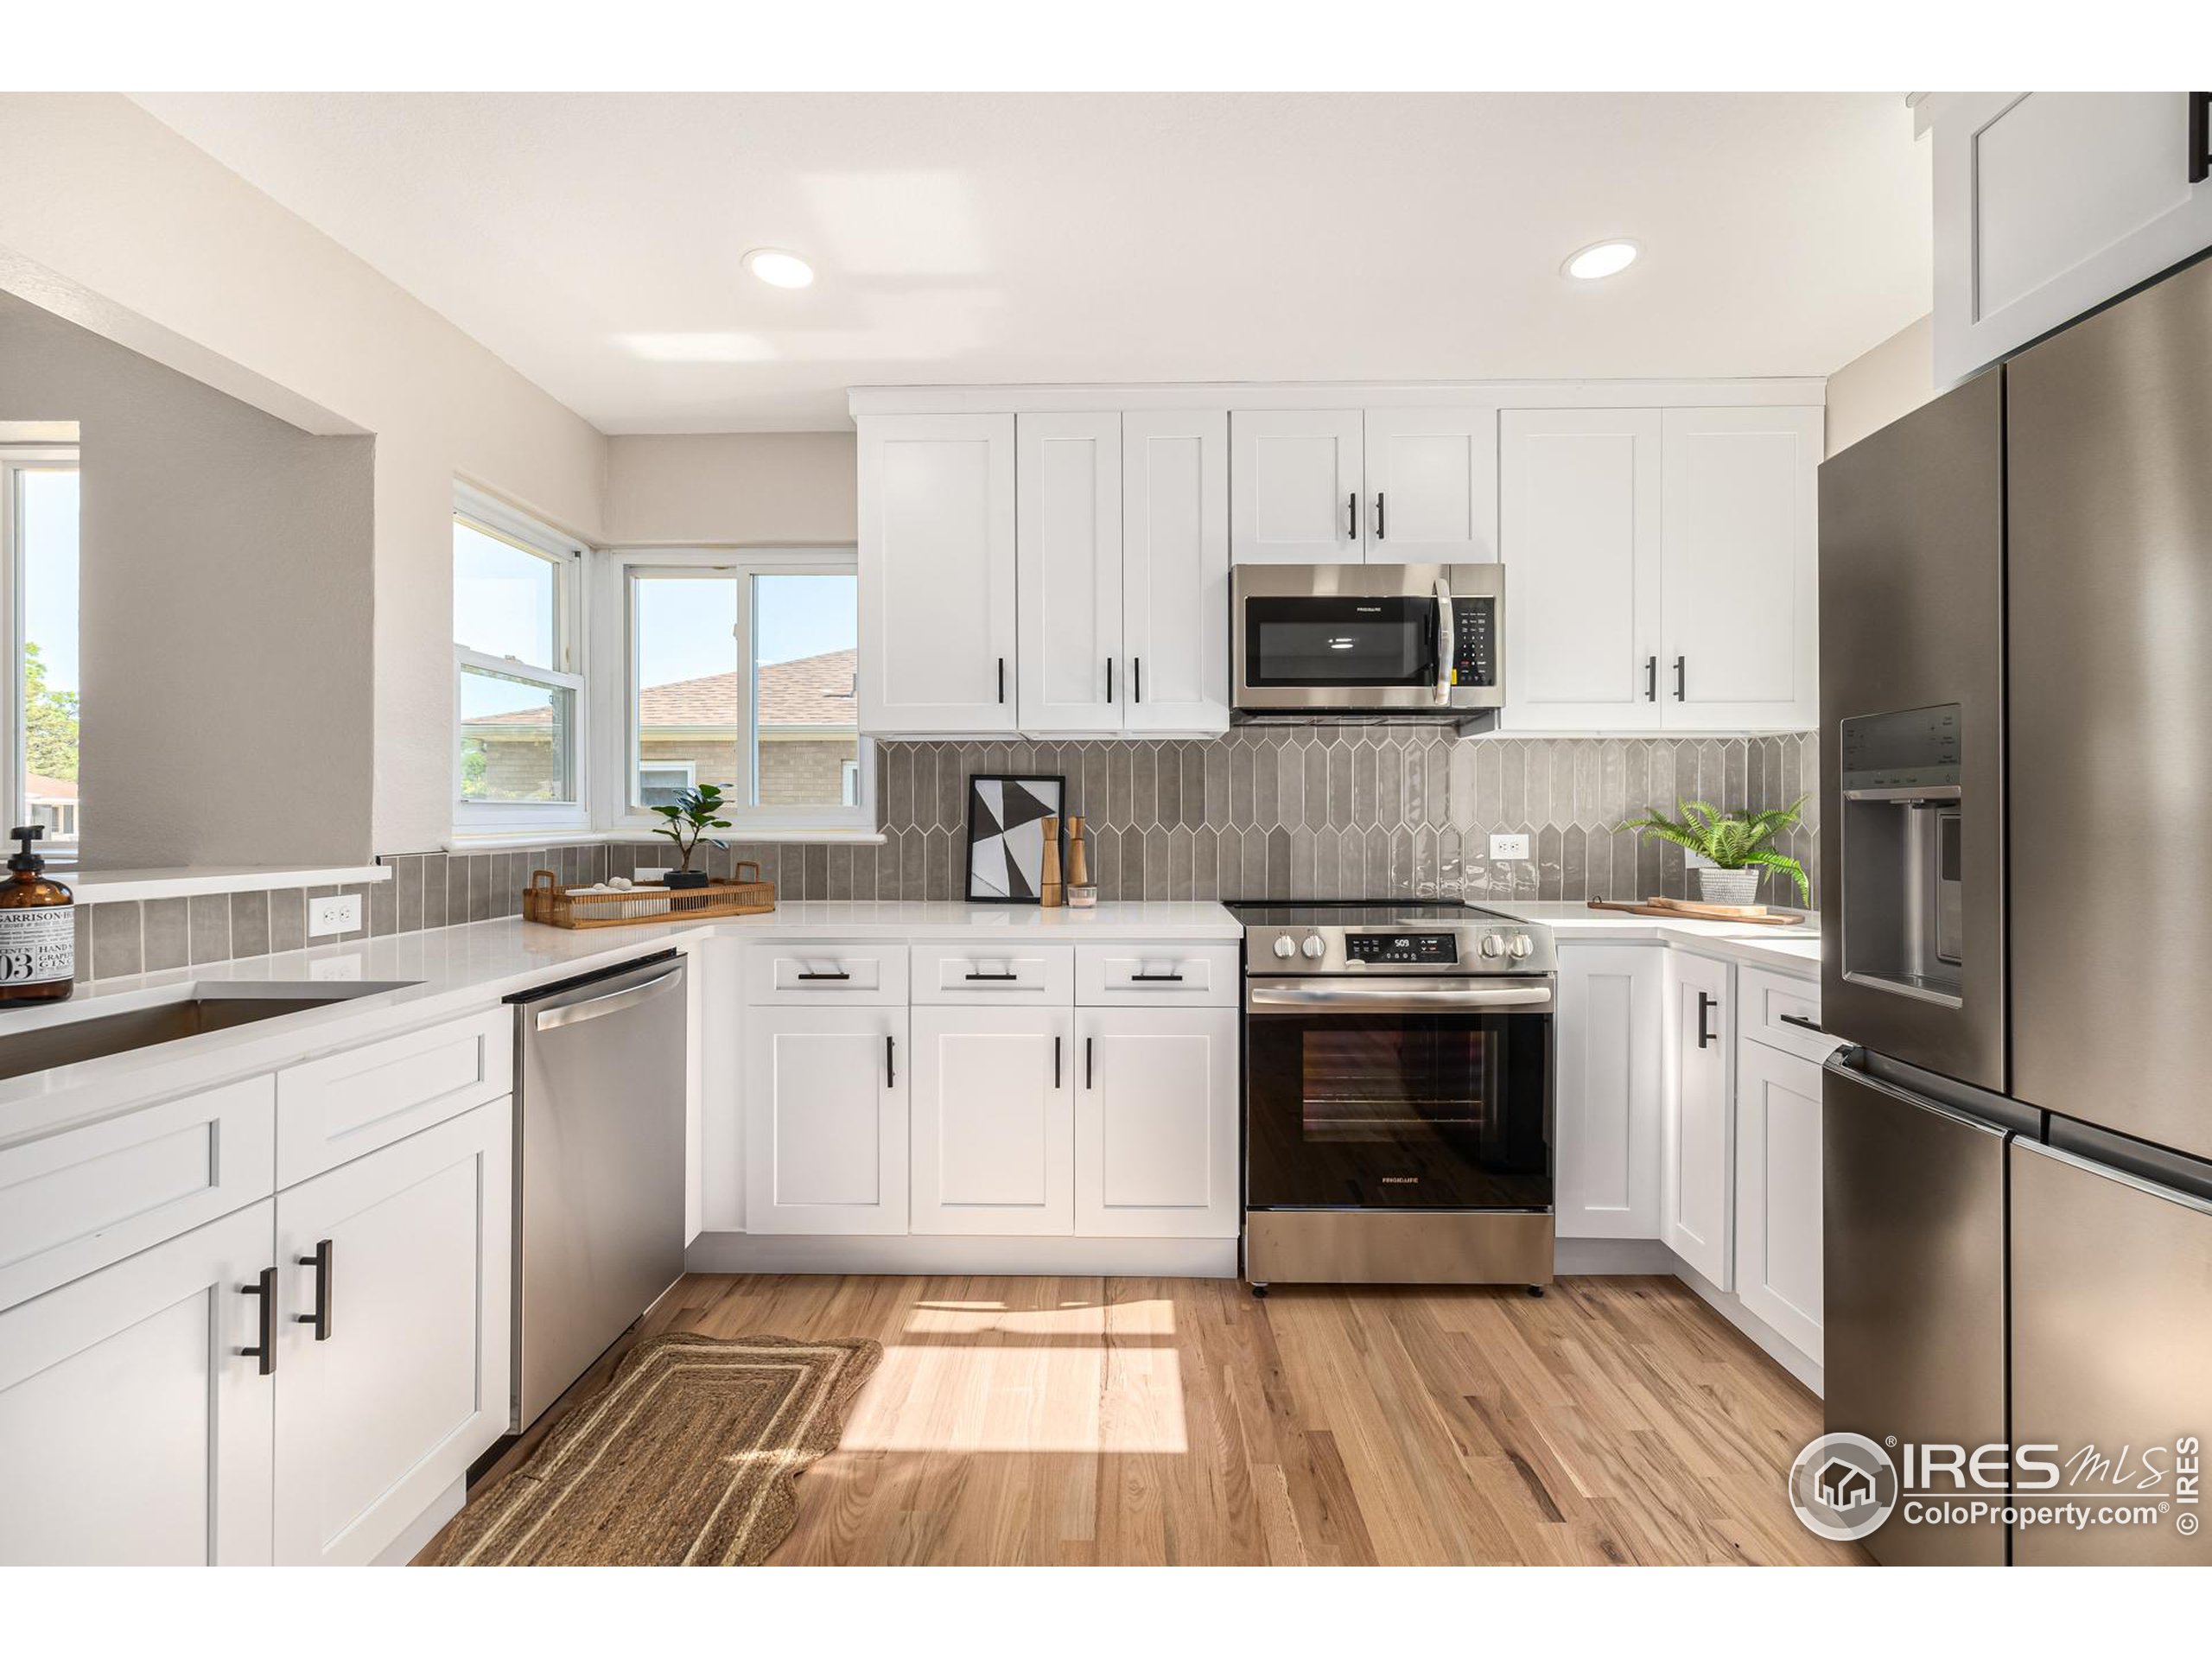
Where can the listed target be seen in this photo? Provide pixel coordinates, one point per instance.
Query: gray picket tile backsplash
(1324, 811)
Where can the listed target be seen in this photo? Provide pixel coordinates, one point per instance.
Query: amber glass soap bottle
(38, 930)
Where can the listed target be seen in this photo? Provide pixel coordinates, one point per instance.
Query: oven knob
(1523, 947)
(1493, 945)
(1283, 945)
(1314, 947)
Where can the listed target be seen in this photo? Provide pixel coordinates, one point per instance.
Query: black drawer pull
(1378, 517)
(1802, 1023)
(1056, 1062)
(1681, 679)
(1651, 679)
(1705, 1005)
(265, 1288)
(1137, 677)
(1155, 979)
(1086, 1064)
(996, 979)
(1109, 679)
(1001, 679)
(320, 1261)
(825, 975)
(890, 1063)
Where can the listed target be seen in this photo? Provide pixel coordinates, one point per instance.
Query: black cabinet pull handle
(2200, 136)
(814, 976)
(1352, 506)
(1803, 1024)
(321, 1317)
(1086, 1064)
(996, 979)
(1705, 1005)
(1137, 677)
(1001, 679)
(1378, 515)
(1681, 679)
(1056, 1062)
(1109, 679)
(890, 1062)
(1155, 979)
(264, 1288)
(1651, 679)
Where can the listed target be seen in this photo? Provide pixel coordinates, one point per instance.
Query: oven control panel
(1419, 949)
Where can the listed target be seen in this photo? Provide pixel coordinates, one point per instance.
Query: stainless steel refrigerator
(2016, 702)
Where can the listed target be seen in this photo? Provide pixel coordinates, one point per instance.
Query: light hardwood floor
(1179, 1421)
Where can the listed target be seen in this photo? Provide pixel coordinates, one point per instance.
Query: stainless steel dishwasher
(598, 1167)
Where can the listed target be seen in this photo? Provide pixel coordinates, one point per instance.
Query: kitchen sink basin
(207, 1007)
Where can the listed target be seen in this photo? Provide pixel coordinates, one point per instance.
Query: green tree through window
(49, 722)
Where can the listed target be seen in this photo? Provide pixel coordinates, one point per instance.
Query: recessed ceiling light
(1601, 259)
(778, 268)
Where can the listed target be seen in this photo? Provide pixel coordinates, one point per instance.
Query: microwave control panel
(1474, 656)
(1419, 950)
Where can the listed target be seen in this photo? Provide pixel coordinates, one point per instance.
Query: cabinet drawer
(1156, 975)
(1762, 998)
(815, 975)
(332, 1110)
(1026, 976)
(77, 1200)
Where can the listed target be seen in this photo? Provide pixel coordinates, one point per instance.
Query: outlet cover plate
(338, 914)
(1505, 849)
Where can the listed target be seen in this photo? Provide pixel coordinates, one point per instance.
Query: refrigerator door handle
(2121, 1176)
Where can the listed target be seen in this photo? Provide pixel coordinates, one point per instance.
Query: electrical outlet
(340, 913)
(1504, 849)
(344, 967)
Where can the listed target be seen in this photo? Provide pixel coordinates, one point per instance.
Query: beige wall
(1872, 390)
(225, 607)
(781, 489)
(108, 217)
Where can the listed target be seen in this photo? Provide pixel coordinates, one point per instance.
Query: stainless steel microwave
(1394, 641)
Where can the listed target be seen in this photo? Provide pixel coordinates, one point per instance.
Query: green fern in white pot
(1739, 847)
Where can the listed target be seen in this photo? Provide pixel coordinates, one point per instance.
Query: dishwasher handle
(613, 1002)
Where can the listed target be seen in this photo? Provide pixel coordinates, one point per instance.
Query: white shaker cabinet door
(1431, 485)
(1700, 1170)
(994, 1120)
(825, 1120)
(1610, 1103)
(133, 1431)
(1296, 483)
(1579, 530)
(1155, 1124)
(1739, 576)
(937, 624)
(396, 1319)
(1175, 571)
(1068, 495)
(1778, 1191)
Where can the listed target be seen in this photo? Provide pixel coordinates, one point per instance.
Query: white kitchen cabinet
(1156, 1122)
(1174, 571)
(1739, 569)
(1431, 485)
(1068, 541)
(1579, 495)
(937, 619)
(825, 1120)
(133, 1432)
(1295, 481)
(994, 1120)
(2048, 204)
(1778, 1191)
(1696, 1191)
(1610, 1105)
(386, 1403)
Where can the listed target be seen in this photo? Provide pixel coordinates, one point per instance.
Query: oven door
(1398, 1093)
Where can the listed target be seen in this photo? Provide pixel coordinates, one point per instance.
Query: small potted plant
(694, 812)
(1737, 845)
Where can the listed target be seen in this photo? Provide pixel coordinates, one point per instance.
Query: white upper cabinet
(1578, 499)
(1175, 571)
(1068, 491)
(1432, 487)
(1739, 569)
(937, 624)
(2048, 204)
(1295, 477)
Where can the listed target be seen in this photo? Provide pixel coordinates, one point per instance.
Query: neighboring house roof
(51, 789)
(805, 691)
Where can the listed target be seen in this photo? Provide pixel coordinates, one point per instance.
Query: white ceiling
(593, 241)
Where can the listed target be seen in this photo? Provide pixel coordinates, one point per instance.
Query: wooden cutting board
(1683, 911)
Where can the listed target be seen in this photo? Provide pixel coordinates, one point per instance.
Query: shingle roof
(806, 691)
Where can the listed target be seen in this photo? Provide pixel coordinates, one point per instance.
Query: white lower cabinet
(1155, 1123)
(386, 1399)
(133, 1432)
(825, 1120)
(1778, 1191)
(1611, 1111)
(1695, 1194)
(994, 1120)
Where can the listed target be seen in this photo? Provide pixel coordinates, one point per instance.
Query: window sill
(640, 834)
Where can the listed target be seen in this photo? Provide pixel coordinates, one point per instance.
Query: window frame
(617, 707)
(568, 557)
(15, 460)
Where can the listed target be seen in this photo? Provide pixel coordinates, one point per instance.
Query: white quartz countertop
(452, 969)
(1790, 950)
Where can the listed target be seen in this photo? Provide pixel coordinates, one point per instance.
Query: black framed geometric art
(1005, 834)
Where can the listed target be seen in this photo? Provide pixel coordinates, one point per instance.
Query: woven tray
(545, 901)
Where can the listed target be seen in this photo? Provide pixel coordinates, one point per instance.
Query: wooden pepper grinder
(1078, 856)
(1049, 892)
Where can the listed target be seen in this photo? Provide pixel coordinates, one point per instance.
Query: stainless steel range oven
(1398, 1062)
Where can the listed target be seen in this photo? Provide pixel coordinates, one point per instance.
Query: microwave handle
(1445, 649)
